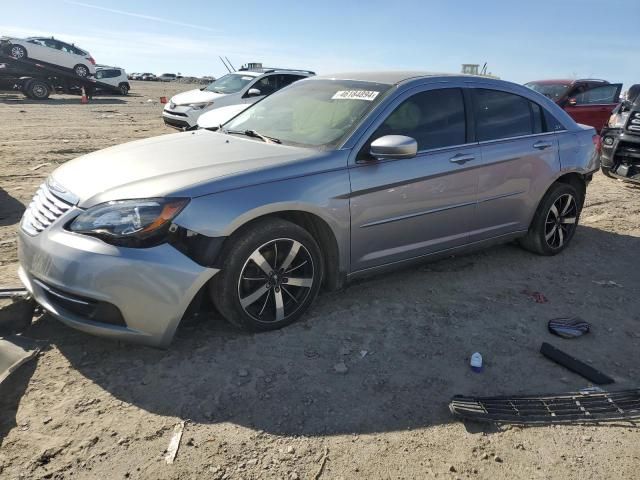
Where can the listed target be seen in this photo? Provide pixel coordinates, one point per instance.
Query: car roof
(397, 77)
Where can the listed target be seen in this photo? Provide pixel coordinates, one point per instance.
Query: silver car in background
(327, 180)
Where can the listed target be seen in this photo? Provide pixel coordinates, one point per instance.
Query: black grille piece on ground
(565, 408)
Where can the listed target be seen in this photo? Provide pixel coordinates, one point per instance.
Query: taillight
(93, 62)
(597, 141)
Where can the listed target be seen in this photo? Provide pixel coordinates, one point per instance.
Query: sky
(520, 41)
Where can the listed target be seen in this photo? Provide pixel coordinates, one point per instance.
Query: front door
(594, 106)
(402, 209)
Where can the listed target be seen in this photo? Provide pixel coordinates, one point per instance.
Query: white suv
(55, 52)
(114, 76)
(241, 87)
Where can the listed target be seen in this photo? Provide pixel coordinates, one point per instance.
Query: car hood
(216, 117)
(195, 96)
(180, 164)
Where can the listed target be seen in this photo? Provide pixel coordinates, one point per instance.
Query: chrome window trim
(519, 137)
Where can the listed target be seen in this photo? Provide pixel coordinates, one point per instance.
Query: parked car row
(150, 77)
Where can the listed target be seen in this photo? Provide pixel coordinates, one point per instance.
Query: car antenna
(226, 66)
(229, 62)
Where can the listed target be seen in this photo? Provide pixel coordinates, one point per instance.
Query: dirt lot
(272, 405)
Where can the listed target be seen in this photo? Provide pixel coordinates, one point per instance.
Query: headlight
(200, 106)
(617, 120)
(132, 223)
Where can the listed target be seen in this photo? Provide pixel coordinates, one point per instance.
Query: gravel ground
(358, 389)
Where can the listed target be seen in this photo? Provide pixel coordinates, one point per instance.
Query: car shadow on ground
(10, 209)
(11, 391)
(388, 353)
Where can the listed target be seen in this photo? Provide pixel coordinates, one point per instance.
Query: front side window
(266, 85)
(599, 95)
(434, 118)
(230, 83)
(554, 91)
(313, 113)
(501, 115)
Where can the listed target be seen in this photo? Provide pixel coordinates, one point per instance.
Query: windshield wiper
(254, 134)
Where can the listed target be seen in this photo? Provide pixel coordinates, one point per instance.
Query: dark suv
(587, 101)
(620, 155)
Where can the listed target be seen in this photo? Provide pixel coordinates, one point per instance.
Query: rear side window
(286, 79)
(434, 118)
(501, 115)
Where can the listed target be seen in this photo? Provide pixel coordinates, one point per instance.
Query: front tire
(270, 275)
(555, 221)
(18, 52)
(607, 172)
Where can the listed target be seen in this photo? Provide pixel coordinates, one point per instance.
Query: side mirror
(572, 102)
(254, 92)
(394, 147)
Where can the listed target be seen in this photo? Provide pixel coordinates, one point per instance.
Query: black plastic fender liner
(575, 365)
(577, 407)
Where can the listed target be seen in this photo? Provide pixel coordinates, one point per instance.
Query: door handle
(542, 145)
(461, 158)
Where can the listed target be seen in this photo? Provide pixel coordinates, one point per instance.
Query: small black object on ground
(575, 365)
(577, 407)
(568, 327)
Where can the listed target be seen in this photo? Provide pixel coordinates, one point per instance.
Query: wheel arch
(317, 227)
(576, 179)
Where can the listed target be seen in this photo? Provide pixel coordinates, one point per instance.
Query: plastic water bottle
(476, 362)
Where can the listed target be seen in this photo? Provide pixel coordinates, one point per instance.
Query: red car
(588, 101)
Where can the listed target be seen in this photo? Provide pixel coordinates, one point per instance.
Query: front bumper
(151, 288)
(622, 153)
(181, 117)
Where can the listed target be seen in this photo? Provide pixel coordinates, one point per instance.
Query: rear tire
(270, 275)
(555, 221)
(38, 90)
(124, 89)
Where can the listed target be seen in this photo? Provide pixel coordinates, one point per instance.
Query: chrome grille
(634, 122)
(44, 209)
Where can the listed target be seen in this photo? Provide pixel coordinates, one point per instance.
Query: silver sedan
(326, 180)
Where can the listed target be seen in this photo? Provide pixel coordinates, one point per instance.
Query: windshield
(231, 83)
(552, 90)
(311, 113)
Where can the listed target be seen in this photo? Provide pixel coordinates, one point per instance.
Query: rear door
(519, 156)
(402, 209)
(594, 106)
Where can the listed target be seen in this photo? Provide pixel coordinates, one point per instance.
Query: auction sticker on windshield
(368, 95)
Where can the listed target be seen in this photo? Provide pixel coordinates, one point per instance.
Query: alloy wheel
(276, 280)
(561, 221)
(17, 52)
